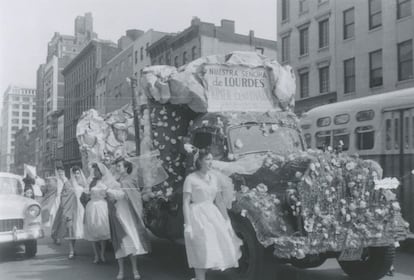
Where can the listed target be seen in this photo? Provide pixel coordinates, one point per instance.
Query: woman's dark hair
(76, 168)
(60, 167)
(96, 167)
(127, 166)
(28, 180)
(202, 153)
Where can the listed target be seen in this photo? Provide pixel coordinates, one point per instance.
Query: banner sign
(238, 88)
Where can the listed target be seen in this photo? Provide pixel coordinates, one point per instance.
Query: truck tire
(253, 263)
(30, 248)
(375, 264)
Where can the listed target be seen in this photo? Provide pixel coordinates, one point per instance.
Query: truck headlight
(33, 211)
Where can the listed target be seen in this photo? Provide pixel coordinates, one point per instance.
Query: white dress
(213, 243)
(96, 226)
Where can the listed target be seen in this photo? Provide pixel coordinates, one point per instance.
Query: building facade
(19, 111)
(61, 50)
(80, 77)
(24, 152)
(339, 49)
(112, 88)
(203, 39)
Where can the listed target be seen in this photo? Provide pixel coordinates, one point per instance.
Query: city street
(167, 262)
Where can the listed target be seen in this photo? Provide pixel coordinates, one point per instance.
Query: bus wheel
(375, 263)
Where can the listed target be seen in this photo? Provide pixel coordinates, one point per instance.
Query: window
(375, 13)
(26, 99)
(403, 8)
(15, 121)
(349, 75)
(396, 134)
(304, 84)
(324, 79)
(323, 139)
(285, 10)
(15, 114)
(26, 107)
(15, 106)
(364, 137)
(323, 33)
(349, 23)
(184, 58)
(388, 137)
(176, 61)
(193, 52)
(304, 41)
(325, 121)
(25, 114)
(15, 128)
(303, 6)
(375, 68)
(341, 139)
(142, 53)
(308, 140)
(366, 115)
(168, 57)
(405, 60)
(341, 119)
(25, 121)
(406, 133)
(16, 98)
(146, 49)
(285, 49)
(136, 57)
(161, 60)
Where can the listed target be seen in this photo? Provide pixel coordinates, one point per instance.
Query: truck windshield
(259, 138)
(10, 186)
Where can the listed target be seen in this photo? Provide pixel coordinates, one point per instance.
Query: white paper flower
(387, 184)
(243, 212)
(244, 189)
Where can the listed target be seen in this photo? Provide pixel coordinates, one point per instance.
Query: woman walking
(96, 215)
(131, 238)
(50, 201)
(68, 223)
(210, 240)
(61, 180)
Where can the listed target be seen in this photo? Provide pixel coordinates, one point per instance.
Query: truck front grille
(8, 225)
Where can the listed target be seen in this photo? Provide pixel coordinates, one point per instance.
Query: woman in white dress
(96, 215)
(210, 240)
(128, 233)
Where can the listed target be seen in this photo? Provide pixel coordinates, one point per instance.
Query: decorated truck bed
(305, 206)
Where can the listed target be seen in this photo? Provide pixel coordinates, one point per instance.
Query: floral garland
(333, 201)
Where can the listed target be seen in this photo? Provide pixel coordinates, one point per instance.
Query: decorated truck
(301, 206)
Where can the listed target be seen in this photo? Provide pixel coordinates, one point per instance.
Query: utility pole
(137, 112)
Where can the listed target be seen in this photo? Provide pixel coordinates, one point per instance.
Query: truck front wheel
(375, 263)
(253, 262)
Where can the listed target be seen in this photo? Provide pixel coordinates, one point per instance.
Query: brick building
(80, 77)
(203, 39)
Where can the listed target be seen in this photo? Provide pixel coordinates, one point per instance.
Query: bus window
(364, 137)
(388, 134)
(412, 131)
(323, 121)
(308, 140)
(323, 139)
(341, 119)
(341, 135)
(305, 126)
(396, 134)
(365, 115)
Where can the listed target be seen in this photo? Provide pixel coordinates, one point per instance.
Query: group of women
(104, 208)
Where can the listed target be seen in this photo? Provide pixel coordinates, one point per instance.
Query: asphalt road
(167, 262)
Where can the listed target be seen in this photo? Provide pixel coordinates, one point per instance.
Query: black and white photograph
(206, 140)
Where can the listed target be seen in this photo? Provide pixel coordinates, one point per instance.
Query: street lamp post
(137, 112)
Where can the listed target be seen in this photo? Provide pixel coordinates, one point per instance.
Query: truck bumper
(21, 235)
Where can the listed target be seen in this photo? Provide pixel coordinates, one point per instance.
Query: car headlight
(33, 211)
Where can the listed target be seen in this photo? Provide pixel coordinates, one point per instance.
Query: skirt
(96, 227)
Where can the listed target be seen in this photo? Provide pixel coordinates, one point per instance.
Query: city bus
(378, 127)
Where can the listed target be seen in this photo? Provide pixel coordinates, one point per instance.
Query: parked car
(19, 216)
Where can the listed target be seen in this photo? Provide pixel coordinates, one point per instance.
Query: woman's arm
(186, 199)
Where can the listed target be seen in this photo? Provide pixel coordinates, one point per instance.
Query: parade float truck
(302, 206)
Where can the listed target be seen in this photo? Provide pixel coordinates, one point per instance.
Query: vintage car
(19, 216)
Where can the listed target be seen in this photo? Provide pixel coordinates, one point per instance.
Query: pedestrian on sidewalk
(69, 218)
(96, 214)
(210, 240)
(61, 180)
(50, 201)
(125, 209)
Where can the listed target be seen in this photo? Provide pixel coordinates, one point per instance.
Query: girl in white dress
(210, 240)
(96, 215)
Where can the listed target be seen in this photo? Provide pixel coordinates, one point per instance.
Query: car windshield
(10, 186)
(265, 137)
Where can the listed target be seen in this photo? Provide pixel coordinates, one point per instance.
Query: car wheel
(375, 263)
(30, 248)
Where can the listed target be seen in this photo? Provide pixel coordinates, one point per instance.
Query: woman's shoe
(137, 276)
(103, 259)
(96, 260)
(71, 255)
(120, 276)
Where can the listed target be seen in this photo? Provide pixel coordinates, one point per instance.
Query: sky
(26, 26)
